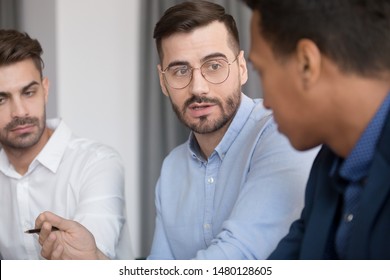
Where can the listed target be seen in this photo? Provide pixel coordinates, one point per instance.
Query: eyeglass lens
(215, 71)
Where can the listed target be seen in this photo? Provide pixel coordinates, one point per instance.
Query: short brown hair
(17, 46)
(187, 16)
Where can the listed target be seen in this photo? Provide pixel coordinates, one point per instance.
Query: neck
(209, 141)
(22, 158)
(355, 107)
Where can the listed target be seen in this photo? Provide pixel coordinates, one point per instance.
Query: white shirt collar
(51, 154)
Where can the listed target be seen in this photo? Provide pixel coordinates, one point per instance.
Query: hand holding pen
(65, 239)
(38, 230)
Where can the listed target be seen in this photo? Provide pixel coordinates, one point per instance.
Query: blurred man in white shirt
(43, 166)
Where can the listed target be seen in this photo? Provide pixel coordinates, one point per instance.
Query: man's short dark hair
(190, 15)
(354, 34)
(17, 46)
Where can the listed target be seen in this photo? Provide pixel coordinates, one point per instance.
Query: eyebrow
(33, 83)
(4, 94)
(214, 55)
(207, 57)
(24, 89)
(177, 63)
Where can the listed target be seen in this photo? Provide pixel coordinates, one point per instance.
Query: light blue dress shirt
(239, 202)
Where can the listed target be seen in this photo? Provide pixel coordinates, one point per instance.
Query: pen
(38, 230)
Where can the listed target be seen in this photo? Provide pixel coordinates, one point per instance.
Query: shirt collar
(51, 154)
(246, 106)
(5, 166)
(356, 165)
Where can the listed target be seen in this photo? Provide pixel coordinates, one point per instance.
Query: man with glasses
(232, 190)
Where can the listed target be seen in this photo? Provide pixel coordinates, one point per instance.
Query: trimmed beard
(204, 125)
(26, 140)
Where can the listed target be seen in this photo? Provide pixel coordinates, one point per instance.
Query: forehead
(193, 46)
(17, 75)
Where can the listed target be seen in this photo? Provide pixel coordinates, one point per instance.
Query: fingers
(58, 253)
(48, 245)
(46, 230)
(56, 221)
(71, 241)
(51, 249)
(49, 217)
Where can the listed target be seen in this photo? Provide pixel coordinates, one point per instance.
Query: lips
(198, 110)
(22, 129)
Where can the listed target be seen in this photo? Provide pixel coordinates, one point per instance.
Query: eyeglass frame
(194, 68)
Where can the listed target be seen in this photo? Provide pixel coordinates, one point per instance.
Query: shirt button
(210, 180)
(206, 226)
(349, 218)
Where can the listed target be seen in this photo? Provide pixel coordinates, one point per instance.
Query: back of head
(187, 16)
(354, 34)
(16, 46)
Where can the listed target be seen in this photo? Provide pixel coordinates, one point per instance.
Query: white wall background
(91, 58)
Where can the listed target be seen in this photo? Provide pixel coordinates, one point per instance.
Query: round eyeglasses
(215, 71)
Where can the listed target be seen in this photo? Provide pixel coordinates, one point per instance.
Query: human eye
(180, 71)
(213, 65)
(29, 93)
(3, 99)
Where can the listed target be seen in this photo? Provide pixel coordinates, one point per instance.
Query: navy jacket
(311, 236)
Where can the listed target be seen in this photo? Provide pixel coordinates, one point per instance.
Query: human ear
(309, 62)
(243, 68)
(45, 85)
(162, 80)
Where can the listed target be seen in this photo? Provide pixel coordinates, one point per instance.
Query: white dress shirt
(75, 178)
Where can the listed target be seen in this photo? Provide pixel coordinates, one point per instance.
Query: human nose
(18, 108)
(198, 85)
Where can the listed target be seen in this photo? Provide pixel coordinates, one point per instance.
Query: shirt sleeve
(101, 205)
(270, 200)
(160, 247)
(289, 248)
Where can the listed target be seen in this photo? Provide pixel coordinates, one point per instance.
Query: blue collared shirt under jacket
(238, 203)
(353, 170)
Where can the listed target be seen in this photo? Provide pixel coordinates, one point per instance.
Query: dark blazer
(311, 236)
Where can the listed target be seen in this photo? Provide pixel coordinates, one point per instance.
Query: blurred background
(101, 61)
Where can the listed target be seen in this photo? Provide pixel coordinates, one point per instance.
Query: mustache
(21, 121)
